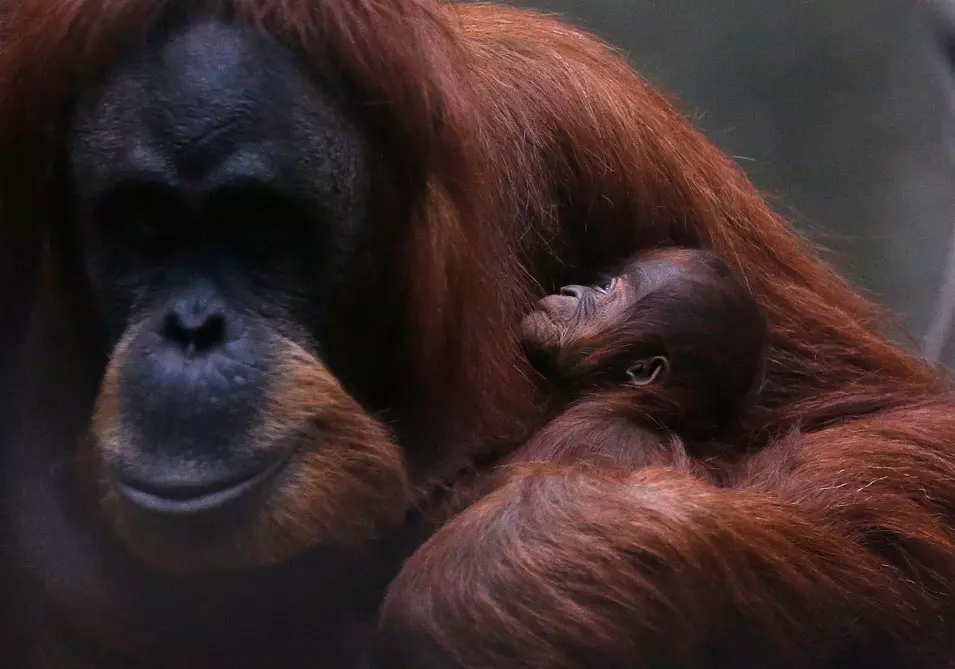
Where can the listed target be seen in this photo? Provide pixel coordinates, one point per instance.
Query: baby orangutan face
(581, 322)
(578, 312)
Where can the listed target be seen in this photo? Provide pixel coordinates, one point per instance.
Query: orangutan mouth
(194, 497)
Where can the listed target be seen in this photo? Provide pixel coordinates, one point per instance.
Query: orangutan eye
(645, 372)
(606, 284)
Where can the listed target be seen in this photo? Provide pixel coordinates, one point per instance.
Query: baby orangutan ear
(647, 371)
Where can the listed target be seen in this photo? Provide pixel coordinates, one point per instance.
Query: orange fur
(575, 567)
(527, 155)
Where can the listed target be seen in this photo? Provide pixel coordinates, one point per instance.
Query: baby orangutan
(648, 365)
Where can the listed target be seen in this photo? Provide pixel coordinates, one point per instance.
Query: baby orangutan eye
(645, 372)
(605, 284)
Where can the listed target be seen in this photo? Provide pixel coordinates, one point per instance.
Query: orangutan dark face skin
(214, 235)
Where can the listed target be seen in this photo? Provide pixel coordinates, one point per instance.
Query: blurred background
(841, 111)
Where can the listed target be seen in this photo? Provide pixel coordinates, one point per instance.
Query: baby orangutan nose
(572, 291)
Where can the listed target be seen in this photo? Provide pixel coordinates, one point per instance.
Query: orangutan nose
(574, 291)
(197, 326)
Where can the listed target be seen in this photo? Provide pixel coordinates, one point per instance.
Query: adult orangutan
(261, 220)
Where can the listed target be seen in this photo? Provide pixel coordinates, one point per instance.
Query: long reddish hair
(539, 150)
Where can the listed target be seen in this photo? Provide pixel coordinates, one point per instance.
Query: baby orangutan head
(676, 318)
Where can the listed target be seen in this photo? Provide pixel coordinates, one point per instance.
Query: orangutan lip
(543, 314)
(557, 307)
(189, 502)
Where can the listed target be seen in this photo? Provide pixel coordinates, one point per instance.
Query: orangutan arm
(832, 551)
(592, 432)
